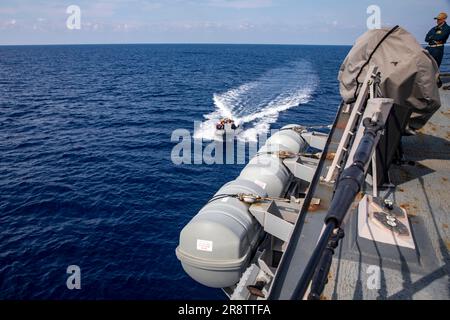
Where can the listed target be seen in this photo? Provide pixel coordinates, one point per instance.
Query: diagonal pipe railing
(349, 185)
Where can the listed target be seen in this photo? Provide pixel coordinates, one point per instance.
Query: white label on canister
(204, 245)
(261, 184)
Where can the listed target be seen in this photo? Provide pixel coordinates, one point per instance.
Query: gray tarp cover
(408, 72)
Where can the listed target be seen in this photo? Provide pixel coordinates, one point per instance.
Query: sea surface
(86, 175)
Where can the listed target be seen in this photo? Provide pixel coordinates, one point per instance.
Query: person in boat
(437, 37)
(221, 124)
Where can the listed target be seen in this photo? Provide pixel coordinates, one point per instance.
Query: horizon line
(174, 43)
(182, 43)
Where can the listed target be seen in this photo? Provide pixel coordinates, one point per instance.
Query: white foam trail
(257, 104)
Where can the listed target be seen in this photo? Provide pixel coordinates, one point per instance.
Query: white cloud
(9, 24)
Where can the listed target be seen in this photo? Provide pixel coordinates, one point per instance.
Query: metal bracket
(277, 220)
(302, 167)
(241, 292)
(316, 139)
(384, 223)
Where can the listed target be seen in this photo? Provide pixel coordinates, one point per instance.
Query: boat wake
(256, 105)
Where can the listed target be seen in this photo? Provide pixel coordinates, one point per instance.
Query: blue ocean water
(86, 176)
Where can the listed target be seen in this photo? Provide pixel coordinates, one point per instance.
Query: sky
(209, 21)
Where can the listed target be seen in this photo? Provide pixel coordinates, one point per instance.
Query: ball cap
(442, 16)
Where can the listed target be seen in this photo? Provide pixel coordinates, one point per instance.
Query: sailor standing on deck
(437, 37)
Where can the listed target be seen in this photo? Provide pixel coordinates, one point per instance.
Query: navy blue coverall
(436, 38)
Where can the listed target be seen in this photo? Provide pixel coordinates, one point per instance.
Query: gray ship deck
(423, 190)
